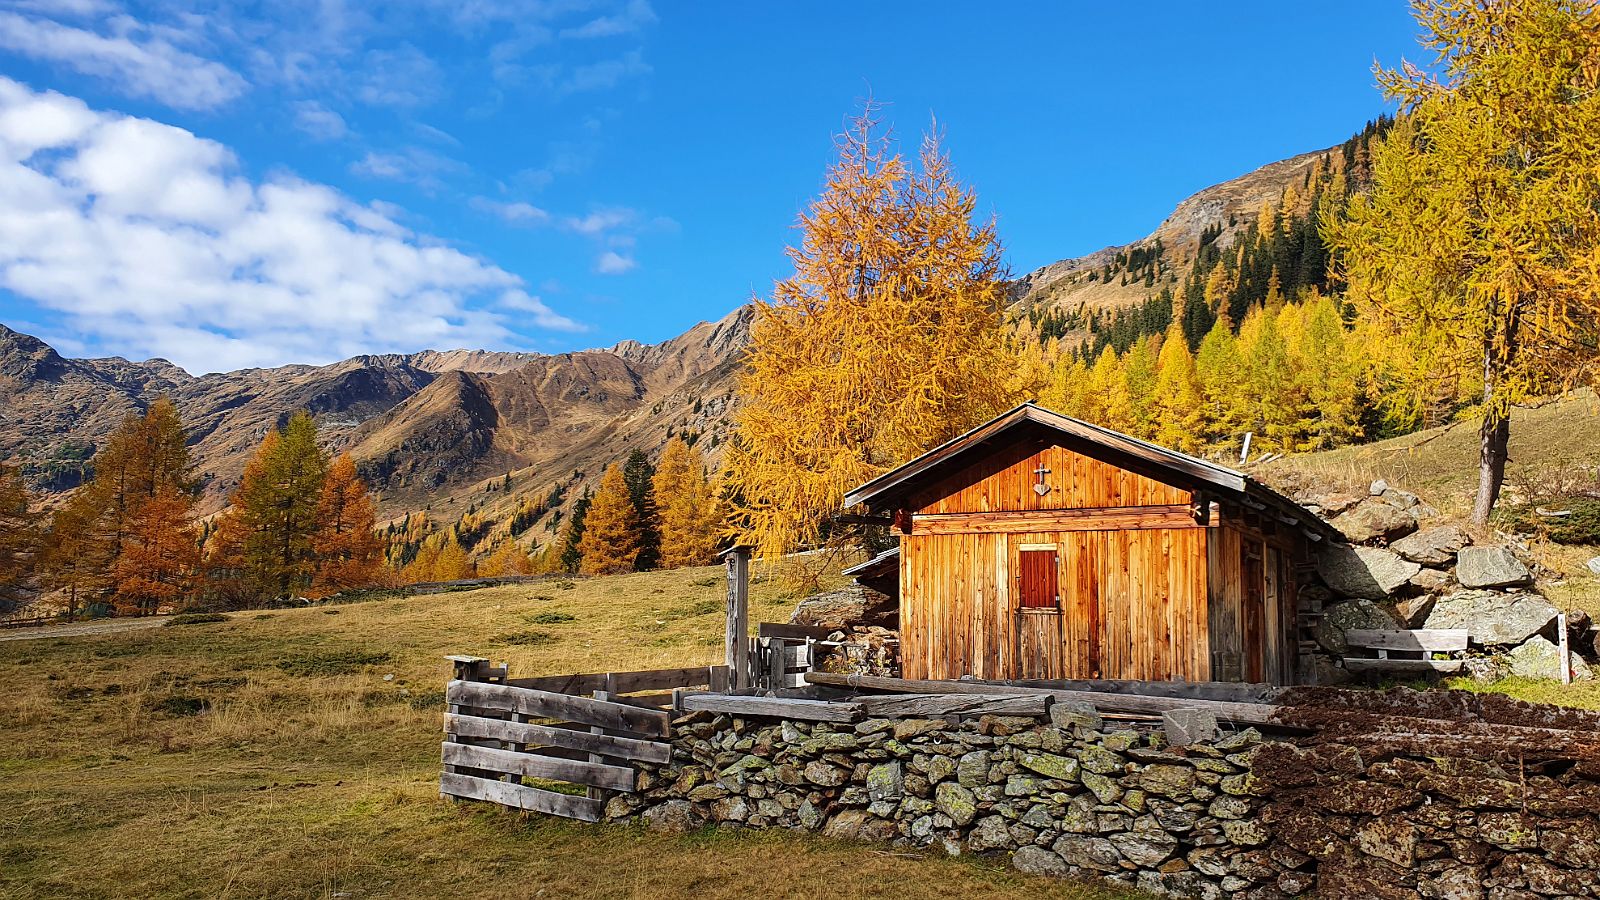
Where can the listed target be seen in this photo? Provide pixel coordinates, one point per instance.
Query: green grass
(270, 757)
(1583, 694)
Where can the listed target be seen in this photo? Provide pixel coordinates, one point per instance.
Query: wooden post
(1564, 650)
(1244, 452)
(736, 637)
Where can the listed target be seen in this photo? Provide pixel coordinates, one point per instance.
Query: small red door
(1038, 613)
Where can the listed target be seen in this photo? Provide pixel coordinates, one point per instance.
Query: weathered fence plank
(621, 682)
(546, 736)
(520, 796)
(510, 762)
(617, 716)
(1419, 640)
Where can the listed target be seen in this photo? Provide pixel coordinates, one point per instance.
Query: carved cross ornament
(1041, 488)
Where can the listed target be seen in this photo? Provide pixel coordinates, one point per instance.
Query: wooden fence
(500, 731)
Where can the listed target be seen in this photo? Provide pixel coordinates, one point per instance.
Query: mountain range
(442, 430)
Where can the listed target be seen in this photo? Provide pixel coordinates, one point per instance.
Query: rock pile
(1395, 574)
(1235, 816)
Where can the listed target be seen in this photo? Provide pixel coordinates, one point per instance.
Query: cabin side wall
(1252, 600)
(1132, 573)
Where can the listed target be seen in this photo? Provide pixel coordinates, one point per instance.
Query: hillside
(427, 429)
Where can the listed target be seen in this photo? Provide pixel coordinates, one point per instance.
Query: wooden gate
(500, 731)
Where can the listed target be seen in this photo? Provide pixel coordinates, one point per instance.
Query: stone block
(1189, 725)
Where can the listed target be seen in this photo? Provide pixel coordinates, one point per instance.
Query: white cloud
(613, 263)
(402, 76)
(318, 121)
(136, 59)
(515, 213)
(631, 19)
(146, 241)
(415, 165)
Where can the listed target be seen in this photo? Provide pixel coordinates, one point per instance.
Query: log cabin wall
(1252, 598)
(1131, 572)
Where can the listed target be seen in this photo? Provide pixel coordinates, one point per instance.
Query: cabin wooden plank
(1009, 522)
(1355, 664)
(616, 716)
(546, 736)
(932, 706)
(530, 765)
(520, 796)
(775, 707)
(1437, 640)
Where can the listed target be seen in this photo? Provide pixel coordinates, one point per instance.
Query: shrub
(179, 706)
(195, 619)
(551, 618)
(335, 662)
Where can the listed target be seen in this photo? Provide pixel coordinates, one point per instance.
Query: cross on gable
(1041, 488)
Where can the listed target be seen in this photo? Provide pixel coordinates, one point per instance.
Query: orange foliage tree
(687, 507)
(160, 555)
(611, 532)
(345, 544)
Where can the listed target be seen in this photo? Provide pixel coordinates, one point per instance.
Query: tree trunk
(1493, 437)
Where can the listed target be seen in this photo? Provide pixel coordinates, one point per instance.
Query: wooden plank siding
(1133, 606)
(1003, 481)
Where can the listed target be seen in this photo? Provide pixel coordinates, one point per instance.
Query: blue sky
(237, 185)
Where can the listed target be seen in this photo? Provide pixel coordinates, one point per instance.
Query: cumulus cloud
(146, 241)
(515, 213)
(135, 58)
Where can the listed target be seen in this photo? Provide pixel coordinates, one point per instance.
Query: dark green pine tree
(571, 556)
(640, 475)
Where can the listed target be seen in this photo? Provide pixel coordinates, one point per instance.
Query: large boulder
(1352, 614)
(1490, 567)
(1539, 658)
(840, 609)
(1436, 547)
(1375, 520)
(1492, 617)
(1365, 572)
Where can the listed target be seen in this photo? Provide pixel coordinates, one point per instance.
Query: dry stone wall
(1238, 816)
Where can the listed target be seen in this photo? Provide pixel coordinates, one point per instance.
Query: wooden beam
(1436, 640)
(616, 716)
(1243, 713)
(933, 706)
(775, 707)
(1115, 518)
(520, 796)
(623, 682)
(530, 765)
(545, 736)
(1357, 664)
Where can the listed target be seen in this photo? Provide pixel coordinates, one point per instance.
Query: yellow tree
(345, 545)
(1177, 409)
(75, 559)
(1064, 392)
(885, 341)
(1327, 371)
(1139, 371)
(507, 559)
(19, 542)
(687, 507)
(1473, 247)
(611, 534)
(1107, 401)
(1220, 369)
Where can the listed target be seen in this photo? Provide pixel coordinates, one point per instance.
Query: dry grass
(196, 762)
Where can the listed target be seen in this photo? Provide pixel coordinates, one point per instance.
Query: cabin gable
(1006, 481)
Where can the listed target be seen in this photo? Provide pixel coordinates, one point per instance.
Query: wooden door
(1038, 593)
(1082, 622)
(1254, 624)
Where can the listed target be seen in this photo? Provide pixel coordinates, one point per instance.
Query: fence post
(736, 637)
(1565, 651)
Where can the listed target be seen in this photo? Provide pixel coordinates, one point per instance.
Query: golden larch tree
(885, 341)
(19, 542)
(345, 544)
(160, 555)
(611, 534)
(1177, 408)
(687, 508)
(1474, 250)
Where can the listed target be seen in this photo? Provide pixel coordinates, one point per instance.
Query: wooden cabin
(1038, 546)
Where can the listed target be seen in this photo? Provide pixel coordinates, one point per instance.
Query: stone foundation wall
(1234, 817)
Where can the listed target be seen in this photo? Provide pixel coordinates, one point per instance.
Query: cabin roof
(892, 488)
(884, 563)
